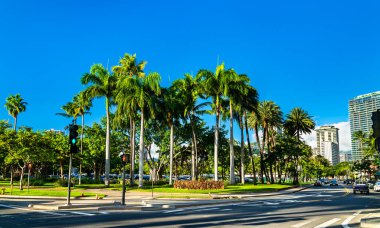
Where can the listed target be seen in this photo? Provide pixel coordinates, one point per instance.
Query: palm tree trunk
(241, 150)
(141, 150)
(216, 144)
(232, 155)
(193, 174)
(261, 154)
(108, 155)
(249, 148)
(81, 152)
(15, 123)
(132, 148)
(171, 152)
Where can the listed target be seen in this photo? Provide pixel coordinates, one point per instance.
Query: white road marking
(357, 213)
(328, 223)
(178, 210)
(302, 223)
(104, 213)
(227, 209)
(81, 213)
(25, 209)
(347, 220)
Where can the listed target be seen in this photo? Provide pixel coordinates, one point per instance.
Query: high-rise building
(360, 111)
(328, 143)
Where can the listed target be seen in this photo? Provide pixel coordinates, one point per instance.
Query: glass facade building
(360, 111)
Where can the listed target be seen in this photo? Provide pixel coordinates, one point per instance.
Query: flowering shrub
(201, 185)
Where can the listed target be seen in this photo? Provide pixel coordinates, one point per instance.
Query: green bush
(62, 183)
(86, 180)
(33, 182)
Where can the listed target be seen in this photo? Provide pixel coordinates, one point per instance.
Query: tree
(15, 104)
(82, 104)
(127, 107)
(271, 120)
(234, 88)
(189, 91)
(102, 84)
(143, 90)
(298, 122)
(171, 111)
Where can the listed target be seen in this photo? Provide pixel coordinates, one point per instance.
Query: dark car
(361, 188)
(318, 183)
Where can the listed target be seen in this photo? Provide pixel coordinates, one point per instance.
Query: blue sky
(312, 54)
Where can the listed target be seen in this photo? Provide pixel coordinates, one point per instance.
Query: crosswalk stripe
(81, 213)
(302, 223)
(328, 223)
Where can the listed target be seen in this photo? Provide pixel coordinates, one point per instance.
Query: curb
(372, 221)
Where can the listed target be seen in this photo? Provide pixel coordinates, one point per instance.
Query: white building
(360, 111)
(328, 143)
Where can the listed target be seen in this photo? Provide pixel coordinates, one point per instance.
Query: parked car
(361, 188)
(318, 183)
(376, 187)
(347, 181)
(371, 184)
(334, 183)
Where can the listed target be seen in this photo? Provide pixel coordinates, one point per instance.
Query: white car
(376, 187)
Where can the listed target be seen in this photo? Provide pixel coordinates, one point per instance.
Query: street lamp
(123, 158)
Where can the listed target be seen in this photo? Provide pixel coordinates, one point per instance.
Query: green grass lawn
(229, 189)
(57, 192)
(48, 189)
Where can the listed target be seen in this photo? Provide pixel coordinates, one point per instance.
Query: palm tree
(102, 84)
(126, 105)
(212, 86)
(143, 91)
(247, 103)
(298, 122)
(234, 88)
(271, 119)
(129, 67)
(189, 91)
(70, 111)
(15, 104)
(83, 104)
(171, 110)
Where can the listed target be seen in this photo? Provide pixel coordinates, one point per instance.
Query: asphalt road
(315, 207)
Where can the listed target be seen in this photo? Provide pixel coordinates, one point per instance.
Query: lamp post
(123, 157)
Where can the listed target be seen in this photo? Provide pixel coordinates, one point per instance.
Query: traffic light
(73, 138)
(376, 124)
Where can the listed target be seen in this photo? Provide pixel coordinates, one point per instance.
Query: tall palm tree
(102, 84)
(15, 104)
(143, 90)
(171, 110)
(234, 88)
(298, 122)
(129, 67)
(212, 86)
(83, 104)
(247, 103)
(271, 118)
(70, 111)
(189, 91)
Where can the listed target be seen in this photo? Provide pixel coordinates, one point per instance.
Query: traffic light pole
(69, 182)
